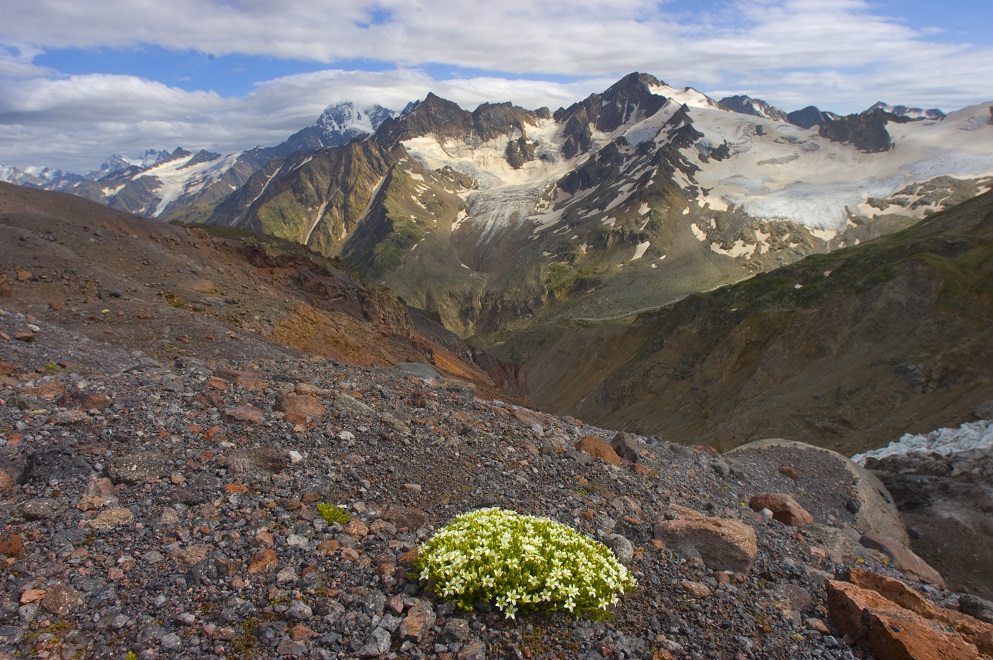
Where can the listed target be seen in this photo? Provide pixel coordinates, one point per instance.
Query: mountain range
(520, 229)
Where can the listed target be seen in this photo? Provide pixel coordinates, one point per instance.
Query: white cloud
(841, 55)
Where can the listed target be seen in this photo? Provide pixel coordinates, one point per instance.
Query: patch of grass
(333, 513)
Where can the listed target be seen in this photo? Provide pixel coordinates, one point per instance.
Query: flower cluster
(521, 562)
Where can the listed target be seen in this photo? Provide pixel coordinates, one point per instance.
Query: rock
(292, 648)
(418, 621)
(54, 463)
(299, 610)
(61, 599)
(11, 545)
(349, 405)
(902, 558)
(377, 646)
(784, 508)
(597, 448)
(111, 518)
(301, 408)
(138, 468)
(6, 483)
(878, 511)
(262, 562)
(406, 517)
(696, 589)
(621, 547)
(474, 649)
(247, 414)
(976, 607)
(896, 622)
(43, 508)
(626, 446)
(257, 463)
(356, 528)
(723, 544)
(456, 630)
(789, 472)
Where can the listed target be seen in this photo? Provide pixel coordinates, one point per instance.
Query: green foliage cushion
(521, 562)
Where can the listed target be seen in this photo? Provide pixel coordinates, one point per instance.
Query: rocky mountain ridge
(500, 218)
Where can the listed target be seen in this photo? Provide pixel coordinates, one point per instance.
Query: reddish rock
(23, 275)
(6, 482)
(249, 414)
(896, 622)
(356, 528)
(784, 508)
(262, 562)
(25, 336)
(722, 543)
(418, 621)
(301, 408)
(245, 379)
(32, 595)
(902, 558)
(598, 448)
(789, 472)
(11, 545)
(328, 547)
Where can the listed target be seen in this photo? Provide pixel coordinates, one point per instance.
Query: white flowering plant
(521, 562)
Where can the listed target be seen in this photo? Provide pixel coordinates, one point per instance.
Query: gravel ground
(170, 510)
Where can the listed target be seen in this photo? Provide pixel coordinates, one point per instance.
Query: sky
(85, 79)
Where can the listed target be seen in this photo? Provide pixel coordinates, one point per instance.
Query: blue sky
(82, 80)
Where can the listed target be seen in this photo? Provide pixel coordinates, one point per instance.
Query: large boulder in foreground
(894, 621)
(722, 543)
(828, 485)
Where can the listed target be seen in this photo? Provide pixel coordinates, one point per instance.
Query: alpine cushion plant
(519, 562)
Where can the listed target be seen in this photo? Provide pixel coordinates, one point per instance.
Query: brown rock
(301, 408)
(902, 558)
(6, 482)
(789, 472)
(32, 595)
(111, 518)
(62, 599)
(249, 414)
(356, 528)
(598, 448)
(25, 336)
(784, 508)
(896, 622)
(405, 517)
(11, 545)
(723, 544)
(23, 276)
(262, 562)
(696, 589)
(327, 547)
(418, 621)
(191, 555)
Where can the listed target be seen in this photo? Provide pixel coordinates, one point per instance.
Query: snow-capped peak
(346, 118)
(686, 95)
(910, 113)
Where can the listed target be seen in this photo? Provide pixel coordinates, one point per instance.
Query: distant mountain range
(163, 182)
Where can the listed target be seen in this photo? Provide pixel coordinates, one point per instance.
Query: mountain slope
(845, 350)
(172, 291)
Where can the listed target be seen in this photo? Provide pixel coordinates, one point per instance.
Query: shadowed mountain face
(847, 350)
(171, 292)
